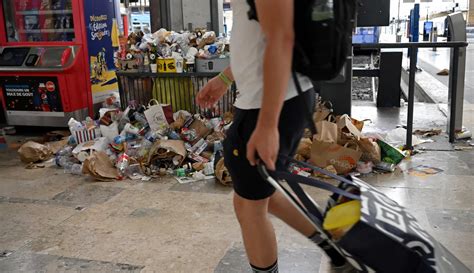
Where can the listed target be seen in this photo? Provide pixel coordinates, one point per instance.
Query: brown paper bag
(167, 149)
(99, 166)
(370, 150)
(348, 132)
(344, 123)
(222, 174)
(359, 124)
(343, 158)
(32, 152)
(327, 131)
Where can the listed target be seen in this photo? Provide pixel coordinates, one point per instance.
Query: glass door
(39, 20)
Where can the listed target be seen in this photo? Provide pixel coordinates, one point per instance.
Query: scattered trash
(343, 158)
(99, 166)
(222, 174)
(444, 72)
(423, 171)
(428, 133)
(463, 134)
(385, 167)
(56, 146)
(195, 177)
(5, 254)
(390, 154)
(365, 167)
(148, 141)
(397, 138)
(56, 135)
(32, 165)
(370, 150)
(329, 168)
(32, 152)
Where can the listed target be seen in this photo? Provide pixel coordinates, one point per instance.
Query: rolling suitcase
(386, 237)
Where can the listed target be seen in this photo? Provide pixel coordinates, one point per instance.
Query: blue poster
(101, 26)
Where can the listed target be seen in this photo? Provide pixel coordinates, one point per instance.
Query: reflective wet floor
(55, 222)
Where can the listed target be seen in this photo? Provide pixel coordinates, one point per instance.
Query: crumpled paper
(99, 166)
(32, 152)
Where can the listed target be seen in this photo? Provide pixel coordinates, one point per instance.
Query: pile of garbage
(170, 51)
(341, 148)
(140, 143)
(144, 142)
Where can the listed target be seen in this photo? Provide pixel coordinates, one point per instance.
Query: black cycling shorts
(293, 120)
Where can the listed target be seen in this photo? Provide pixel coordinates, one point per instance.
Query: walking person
(269, 120)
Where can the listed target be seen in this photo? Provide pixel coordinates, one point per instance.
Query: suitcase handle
(298, 179)
(310, 208)
(319, 170)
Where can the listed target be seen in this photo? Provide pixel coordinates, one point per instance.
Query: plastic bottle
(122, 164)
(73, 168)
(140, 118)
(65, 151)
(147, 142)
(62, 161)
(68, 166)
(122, 139)
(152, 136)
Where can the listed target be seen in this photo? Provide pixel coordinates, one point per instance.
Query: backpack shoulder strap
(252, 13)
(309, 115)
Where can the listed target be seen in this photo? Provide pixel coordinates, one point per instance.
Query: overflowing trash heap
(170, 51)
(140, 143)
(144, 142)
(340, 147)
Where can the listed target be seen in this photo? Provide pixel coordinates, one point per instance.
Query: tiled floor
(54, 222)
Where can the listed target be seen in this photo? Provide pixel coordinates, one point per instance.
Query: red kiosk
(45, 59)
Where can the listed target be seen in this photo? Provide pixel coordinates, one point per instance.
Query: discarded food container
(84, 135)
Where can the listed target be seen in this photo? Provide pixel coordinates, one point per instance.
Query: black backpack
(322, 29)
(322, 33)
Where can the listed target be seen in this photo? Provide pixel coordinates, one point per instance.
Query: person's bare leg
(257, 231)
(283, 209)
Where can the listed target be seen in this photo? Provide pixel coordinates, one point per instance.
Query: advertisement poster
(32, 94)
(100, 22)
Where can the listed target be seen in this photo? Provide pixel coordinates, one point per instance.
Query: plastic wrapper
(390, 154)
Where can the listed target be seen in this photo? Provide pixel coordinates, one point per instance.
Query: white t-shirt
(247, 51)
